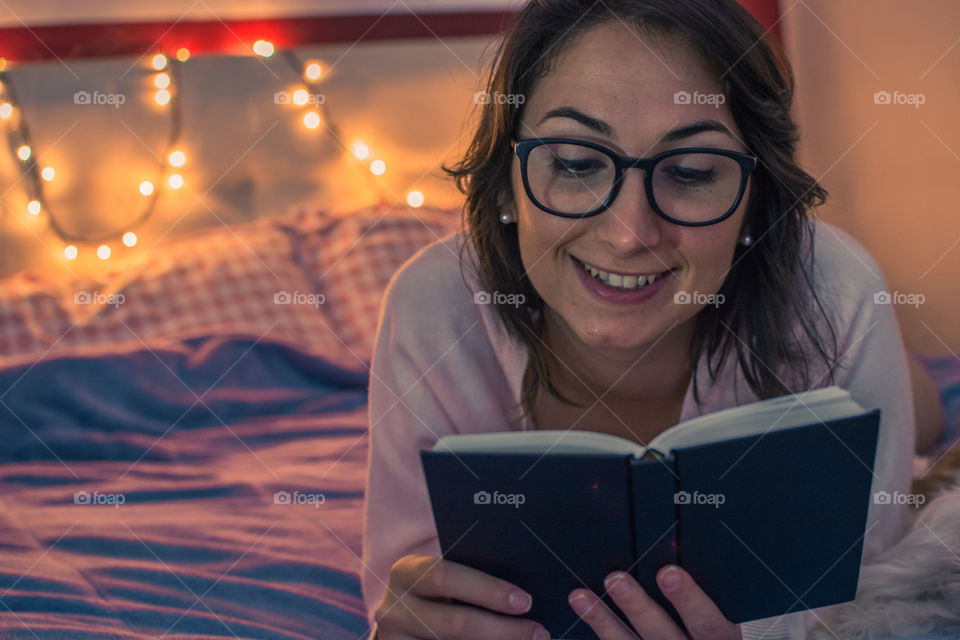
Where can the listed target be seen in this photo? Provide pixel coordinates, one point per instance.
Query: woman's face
(612, 88)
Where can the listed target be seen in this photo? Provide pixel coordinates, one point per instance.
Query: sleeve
(876, 372)
(872, 366)
(421, 349)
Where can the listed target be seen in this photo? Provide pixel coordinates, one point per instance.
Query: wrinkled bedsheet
(207, 487)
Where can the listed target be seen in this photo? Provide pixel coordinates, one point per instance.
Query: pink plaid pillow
(222, 281)
(351, 259)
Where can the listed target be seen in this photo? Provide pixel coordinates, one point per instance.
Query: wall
(893, 170)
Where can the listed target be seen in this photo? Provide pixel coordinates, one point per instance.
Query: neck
(648, 375)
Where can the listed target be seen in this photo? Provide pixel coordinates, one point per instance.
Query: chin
(621, 338)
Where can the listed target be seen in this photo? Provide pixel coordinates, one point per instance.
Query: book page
(540, 441)
(784, 412)
(773, 414)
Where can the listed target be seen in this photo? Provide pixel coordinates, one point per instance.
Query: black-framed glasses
(693, 187)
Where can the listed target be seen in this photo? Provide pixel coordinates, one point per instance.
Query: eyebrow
(575, 114)
(694, 128)
(603, 128)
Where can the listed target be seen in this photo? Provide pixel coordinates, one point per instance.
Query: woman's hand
(649, 620)
(417, 604)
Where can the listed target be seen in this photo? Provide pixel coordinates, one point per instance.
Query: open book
(764, 504)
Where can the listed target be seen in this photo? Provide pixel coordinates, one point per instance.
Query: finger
(464, 622)
(454, 580)
(601, 619)
(700, 615)
(647, 617)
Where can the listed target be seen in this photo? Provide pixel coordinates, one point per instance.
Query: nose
(630, 224)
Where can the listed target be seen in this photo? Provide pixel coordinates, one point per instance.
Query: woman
(598, 291)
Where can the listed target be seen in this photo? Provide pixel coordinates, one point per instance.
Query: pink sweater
(443, 364)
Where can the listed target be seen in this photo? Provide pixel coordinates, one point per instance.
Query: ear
(506, 204)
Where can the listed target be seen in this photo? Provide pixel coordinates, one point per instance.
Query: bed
(184, 450)
(190, 461)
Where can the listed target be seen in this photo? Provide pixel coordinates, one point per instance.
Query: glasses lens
(569, 178)
(696, 187)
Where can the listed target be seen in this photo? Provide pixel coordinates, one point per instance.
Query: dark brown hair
(770, 305)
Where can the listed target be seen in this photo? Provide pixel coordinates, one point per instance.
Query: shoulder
(858, 302)
(837, 253)
(431, 302)
(438, 278)
(845, 275)
(437, 334)
(838, 310)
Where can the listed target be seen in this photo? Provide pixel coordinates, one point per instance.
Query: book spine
(655, 530)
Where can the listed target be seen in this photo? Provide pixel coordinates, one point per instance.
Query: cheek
(543, 239)
(541, 236)
(540, 243)
(710, 262)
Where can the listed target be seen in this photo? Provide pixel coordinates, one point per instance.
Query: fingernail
(670, 579)
(617, 584)
(520, 600)
(581, 604)
(541, 634)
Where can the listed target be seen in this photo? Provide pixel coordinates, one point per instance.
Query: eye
(576, 167)
(690, 176)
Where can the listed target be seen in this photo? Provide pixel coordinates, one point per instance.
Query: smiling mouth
(622, 281)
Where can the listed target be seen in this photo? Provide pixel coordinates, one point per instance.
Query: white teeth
(620, 281)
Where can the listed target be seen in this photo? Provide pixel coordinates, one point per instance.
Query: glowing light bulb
(70, 252)
(162, 80)
(33, 207)
(361, 151)
(177, 158)
(129, 238)
(263, 48)
(159, 62)
(301, 97)
(23, 153)
(3, 64)
(162, 97)
(6, 110)
(146, 187)
(175, 181)
(415, 198)
(377, 167)
(311, 120)
(183, 54)
(313, 71)
(48, 173)
(103, 252)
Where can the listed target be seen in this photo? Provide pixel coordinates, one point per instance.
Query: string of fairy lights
(166, 69)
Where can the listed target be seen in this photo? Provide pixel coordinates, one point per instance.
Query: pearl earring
(506, 218)
(747, 240)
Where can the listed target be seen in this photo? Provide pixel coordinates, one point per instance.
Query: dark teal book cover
(767, 524)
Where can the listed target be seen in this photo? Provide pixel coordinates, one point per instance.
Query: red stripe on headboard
(22, 44)
(767, 13)
(19, 44)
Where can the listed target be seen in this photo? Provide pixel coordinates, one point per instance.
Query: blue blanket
(204, 488)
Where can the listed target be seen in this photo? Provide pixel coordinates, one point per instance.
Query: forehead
(614, 47)
(627, 77)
